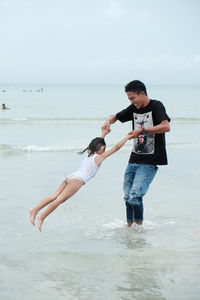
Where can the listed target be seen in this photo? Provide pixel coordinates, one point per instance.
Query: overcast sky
(100, 41)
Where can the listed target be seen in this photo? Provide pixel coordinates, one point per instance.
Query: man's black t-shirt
(150, 148)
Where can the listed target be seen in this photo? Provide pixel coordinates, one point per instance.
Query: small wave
(183, 145)
(115, 224)
(117, 231)
(83, 120)
(186, 120)
(4, 148)
(34, 148)
(57, 148)
(51, 120)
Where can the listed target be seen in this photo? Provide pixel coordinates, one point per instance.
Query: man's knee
(135, 201)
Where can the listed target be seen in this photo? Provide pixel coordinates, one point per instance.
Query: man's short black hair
(136, 86)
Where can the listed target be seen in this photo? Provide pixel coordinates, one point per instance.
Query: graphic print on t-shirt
(143, 144)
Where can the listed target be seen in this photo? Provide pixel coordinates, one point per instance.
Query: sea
(85, 250)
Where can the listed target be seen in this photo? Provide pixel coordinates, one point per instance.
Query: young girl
(89, 167)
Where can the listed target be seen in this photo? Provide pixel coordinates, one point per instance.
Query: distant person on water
(89, 167)
(149, 124)
(4, 106)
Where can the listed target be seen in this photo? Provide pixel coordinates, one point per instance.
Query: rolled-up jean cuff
(129, 221)
(139, 220)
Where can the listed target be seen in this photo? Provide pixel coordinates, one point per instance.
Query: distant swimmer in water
(73, 182)
(4, 106)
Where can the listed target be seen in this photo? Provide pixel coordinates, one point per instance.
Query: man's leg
(143, 178)
(128, 182)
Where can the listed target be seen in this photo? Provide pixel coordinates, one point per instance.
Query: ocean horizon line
(100, 84)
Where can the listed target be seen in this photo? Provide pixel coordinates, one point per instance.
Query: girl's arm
(101, 157)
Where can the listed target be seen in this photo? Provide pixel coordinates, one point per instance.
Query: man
(149, 122)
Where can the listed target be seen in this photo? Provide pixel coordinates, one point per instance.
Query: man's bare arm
(163, 127)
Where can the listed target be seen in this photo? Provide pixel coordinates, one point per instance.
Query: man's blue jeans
(137, 179)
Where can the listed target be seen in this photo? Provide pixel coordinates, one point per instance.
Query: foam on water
(88, 120)
(118, 231)
(4, 148)
(52, 120)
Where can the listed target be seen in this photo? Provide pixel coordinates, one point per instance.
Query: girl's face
(101, 150)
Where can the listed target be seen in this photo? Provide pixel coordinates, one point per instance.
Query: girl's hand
(104, 132)
(134, 134)
(106, 126)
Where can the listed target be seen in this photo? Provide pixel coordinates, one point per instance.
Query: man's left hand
(134, 134)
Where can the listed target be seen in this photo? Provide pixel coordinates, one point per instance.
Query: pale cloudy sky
(100, 41)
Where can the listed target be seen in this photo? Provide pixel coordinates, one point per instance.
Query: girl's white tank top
(88, 168)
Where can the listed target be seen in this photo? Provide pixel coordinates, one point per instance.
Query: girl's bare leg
(72, 187)
(33, 211)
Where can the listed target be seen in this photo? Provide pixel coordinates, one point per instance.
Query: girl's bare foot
(40, 222)
(32, 215)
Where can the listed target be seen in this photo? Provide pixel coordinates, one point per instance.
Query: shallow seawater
(85, 250)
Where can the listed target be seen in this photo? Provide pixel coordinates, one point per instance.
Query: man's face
(136, 99)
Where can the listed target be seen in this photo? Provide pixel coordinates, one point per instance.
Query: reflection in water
(135, 240)
(137, 270)
(141, 277)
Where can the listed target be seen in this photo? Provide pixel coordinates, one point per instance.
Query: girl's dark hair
(94, 146)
